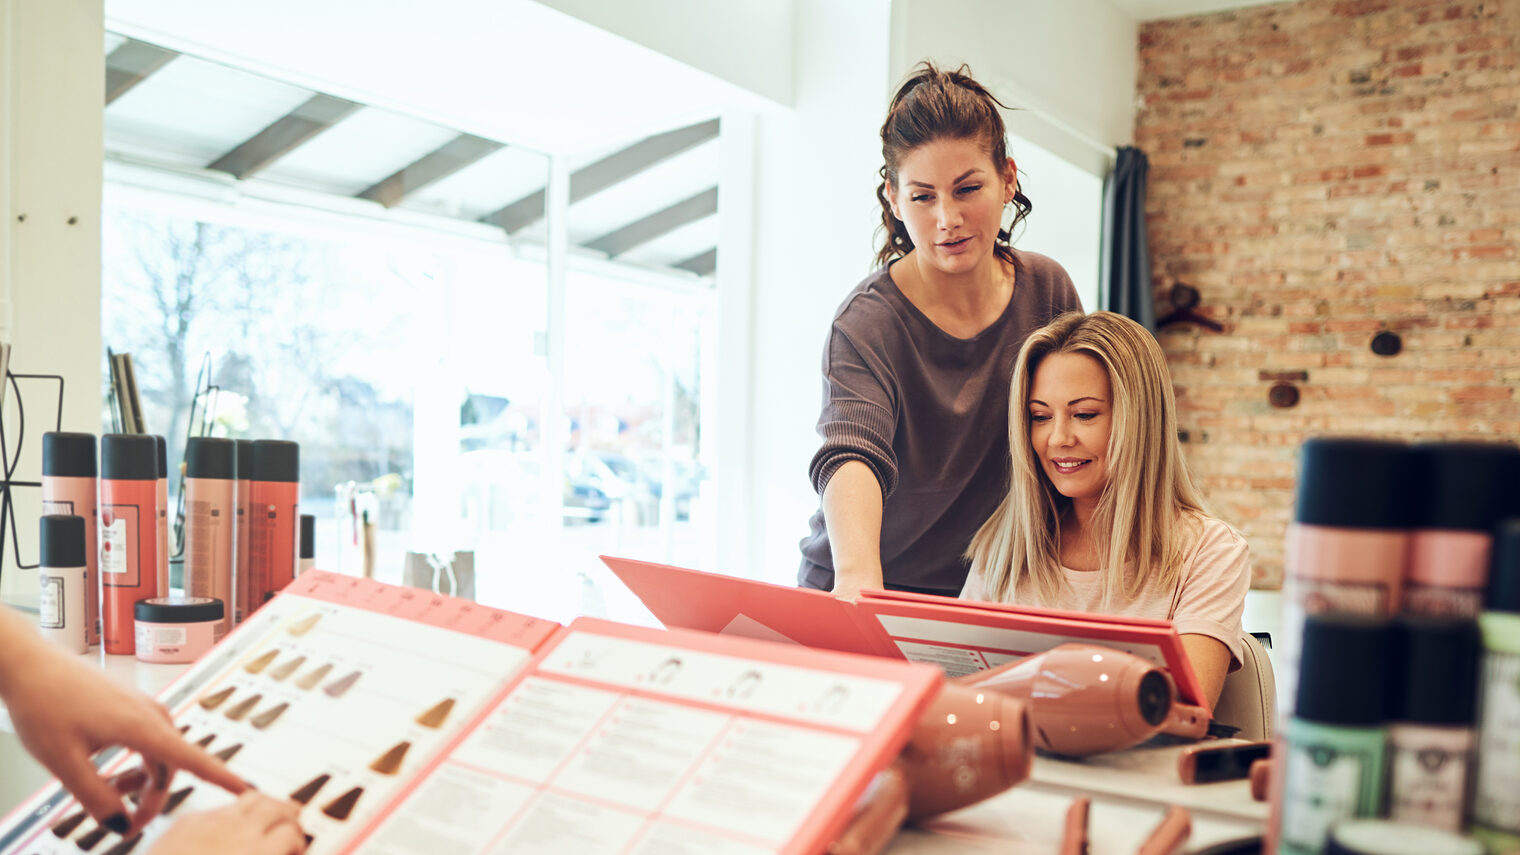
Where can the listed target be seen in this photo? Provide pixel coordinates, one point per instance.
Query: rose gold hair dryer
(1085, 699)
(969, 744)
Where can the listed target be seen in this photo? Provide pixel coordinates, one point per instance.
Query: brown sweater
(928, 413)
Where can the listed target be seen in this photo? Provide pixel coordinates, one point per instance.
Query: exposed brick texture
(1321, 171)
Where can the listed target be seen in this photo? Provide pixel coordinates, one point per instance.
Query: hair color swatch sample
(287, 668)
(262, 662)
(243, 707)
(304, 625)
(389, 763)
(68, 825)
(337, 687)
(90, 839)
(267, 717)
(436, 716)
(175, 799)
(340, 807)
(229, 752)
(309, 790)
(125, 846)
(311, 680)
(214, 700)
(206, 740)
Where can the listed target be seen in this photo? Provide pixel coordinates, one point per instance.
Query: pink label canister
(177, 630)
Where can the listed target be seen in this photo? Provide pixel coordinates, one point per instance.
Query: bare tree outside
(291, 327)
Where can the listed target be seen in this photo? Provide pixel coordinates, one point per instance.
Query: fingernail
(118, 823)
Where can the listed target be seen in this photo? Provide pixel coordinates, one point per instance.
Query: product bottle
(241, 576)
(69, 488)
(61, 581)
(276, 491)
(1431, 741)
(1496, 794)
(1348, 544)
(1465, 488)
(308, 556)
(1337, 742)
(210, 520)
(165, 545)
(128, 533)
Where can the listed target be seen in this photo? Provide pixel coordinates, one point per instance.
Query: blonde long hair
(1149, 513)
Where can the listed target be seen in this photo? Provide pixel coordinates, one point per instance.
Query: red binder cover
(713, 602)
(965, 636)
(629, 739)
(959, 636)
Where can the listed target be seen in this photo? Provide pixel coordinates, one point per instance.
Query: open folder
(960, 636)
(411, 723)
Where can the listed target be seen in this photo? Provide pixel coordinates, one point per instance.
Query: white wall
(1071, 64)
(816, 214)
(52, 75)
(746, 42)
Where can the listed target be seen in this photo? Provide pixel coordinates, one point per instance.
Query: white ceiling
(1154, 10)
(501, 69)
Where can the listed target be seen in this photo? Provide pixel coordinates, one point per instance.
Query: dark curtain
(1125, 272)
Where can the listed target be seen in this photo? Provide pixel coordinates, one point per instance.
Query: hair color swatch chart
(333, 693)
(407, 723)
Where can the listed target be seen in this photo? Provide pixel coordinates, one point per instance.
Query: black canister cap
(128, 457)
(1350, 482)
(1504, 569)
(1439, 658)
(245, 459)
(163, 456)
(1467, 486)
(68, 455)
(1345, 674)
(179, 610)
(308, 536)
(276, 460)
(62, 541)
(211, 457)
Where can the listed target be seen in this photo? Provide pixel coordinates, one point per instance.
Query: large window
(380, 294)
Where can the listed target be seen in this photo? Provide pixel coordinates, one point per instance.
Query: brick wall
(1321, 171)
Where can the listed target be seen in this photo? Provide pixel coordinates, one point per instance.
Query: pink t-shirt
(1209, 599)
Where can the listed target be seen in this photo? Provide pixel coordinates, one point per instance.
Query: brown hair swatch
(389, 763)
(340, 807)
(286, 669)
(244, 707)
(267, 717)
(262, 661)
(309, 790)
(215, 699)
(436, 715)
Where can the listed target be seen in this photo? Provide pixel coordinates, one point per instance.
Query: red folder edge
(1098, 628)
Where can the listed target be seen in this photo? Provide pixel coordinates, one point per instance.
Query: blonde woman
(1101, 513)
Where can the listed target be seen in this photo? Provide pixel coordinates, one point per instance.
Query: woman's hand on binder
(253, 825)
(64, 711)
